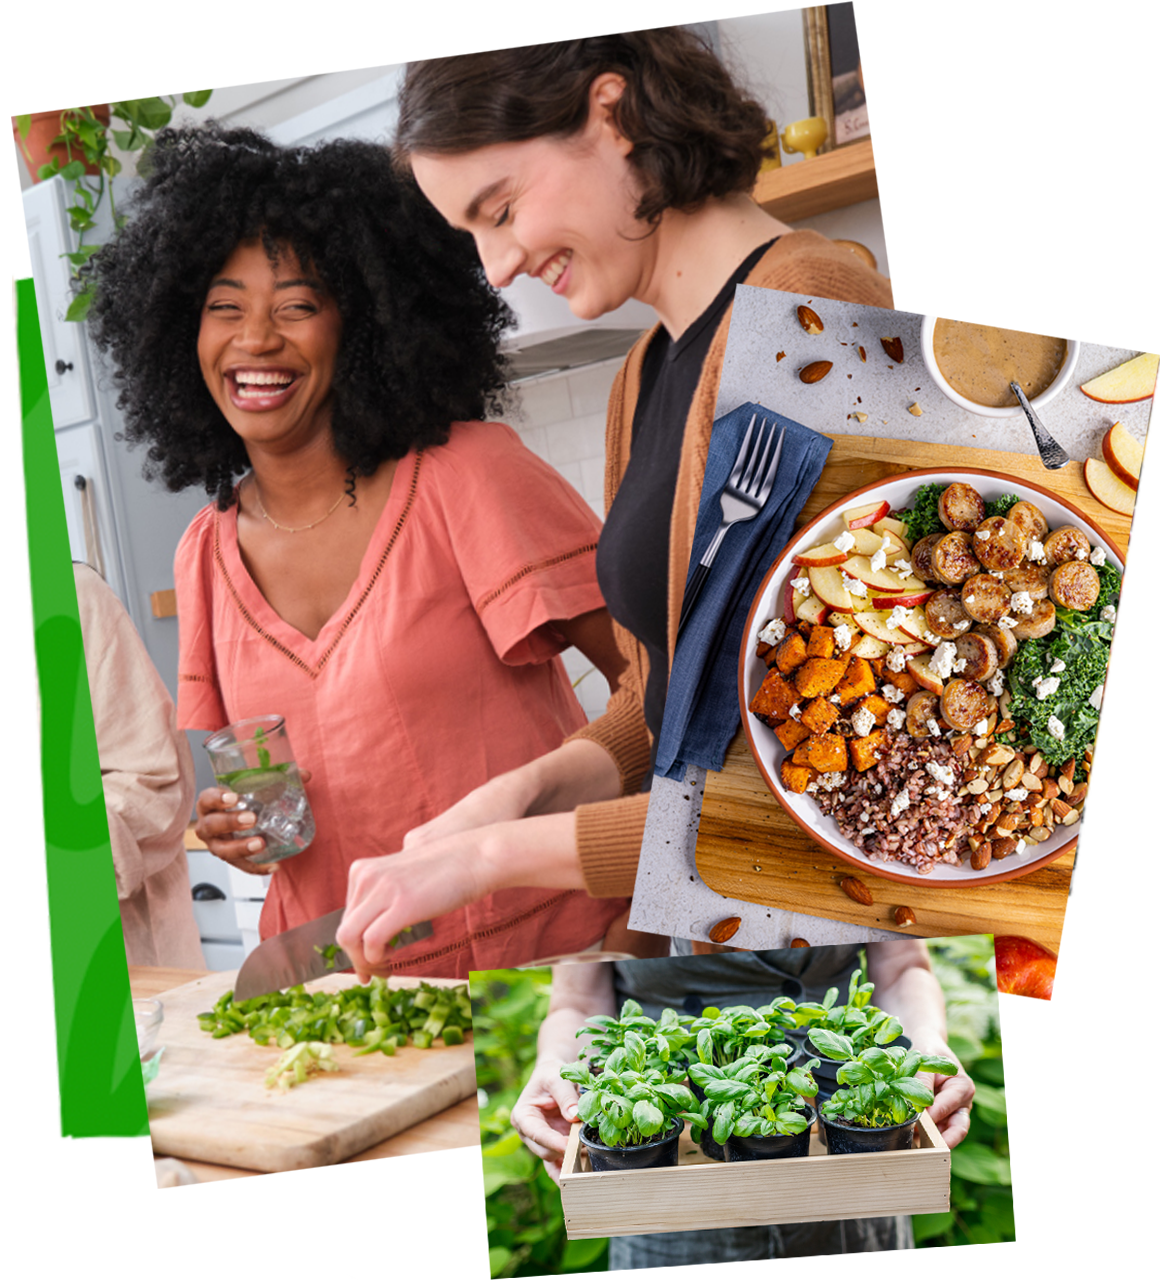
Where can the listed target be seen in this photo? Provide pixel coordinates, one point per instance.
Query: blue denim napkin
(701, 709)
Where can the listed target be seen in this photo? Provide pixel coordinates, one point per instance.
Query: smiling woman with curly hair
(299, 333)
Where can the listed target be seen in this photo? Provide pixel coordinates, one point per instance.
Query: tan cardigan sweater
(609, 834)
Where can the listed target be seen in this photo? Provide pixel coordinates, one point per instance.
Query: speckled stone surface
(670, 896)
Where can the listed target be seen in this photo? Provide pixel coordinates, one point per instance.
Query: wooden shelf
(881, 167)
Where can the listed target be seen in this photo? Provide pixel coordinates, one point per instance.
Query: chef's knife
(299, 954)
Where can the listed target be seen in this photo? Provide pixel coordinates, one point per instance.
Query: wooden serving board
(700, 1193)
(210, 1103)
(748, 848)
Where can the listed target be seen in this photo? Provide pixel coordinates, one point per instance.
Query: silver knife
(299, 954)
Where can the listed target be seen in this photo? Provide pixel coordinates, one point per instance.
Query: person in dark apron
(904, 986)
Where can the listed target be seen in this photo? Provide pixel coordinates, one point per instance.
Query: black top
(632, 559)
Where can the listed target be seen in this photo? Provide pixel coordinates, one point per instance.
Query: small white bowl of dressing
(973, 365)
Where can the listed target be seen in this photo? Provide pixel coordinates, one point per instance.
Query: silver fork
(746, 491)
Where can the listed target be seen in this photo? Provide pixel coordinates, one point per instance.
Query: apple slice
(860, 517)
(830, 589)
(876, 623)
(920, 668)
(1133, 380)
(908, 599)
(823, 554)
(1107, 487)
(896, 529)
(1124, 454)
(870, 647)
(876, 579)
(915, 625)
(917, 646)
(867, 543)
(810, 609)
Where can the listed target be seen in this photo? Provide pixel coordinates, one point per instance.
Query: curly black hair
(420, 325)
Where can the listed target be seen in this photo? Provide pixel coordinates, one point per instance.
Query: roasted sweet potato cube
(792, 732)
(826, 752)
(791, 653)
(822, 643)
(901, 680)
(877, 705)
(796, 777)
(878, 666)
(856, 681)
(866, 751)
(818, 676)
(771, 703)
(819, 714)
(765, 652)
(801, 753)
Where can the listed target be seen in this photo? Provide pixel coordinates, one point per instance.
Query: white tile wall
(561, 418)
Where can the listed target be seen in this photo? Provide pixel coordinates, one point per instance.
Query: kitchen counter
(432, 1153)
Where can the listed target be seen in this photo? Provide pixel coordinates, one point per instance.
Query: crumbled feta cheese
(980, 729)
(1081, 553)
(773, 632)
(1108, 613)
(1036, 551)
(1097, 698)
(982, 534)
(996, 683)
(1021, 602)
(853, 585)
(1098, 556)
(843, 636)
(933, 729)
(960, 666)
(892, 693)
(801, 585)
(862, 721)
(878, 788)
(997, 573)
(1008, 623)
(896, 658)
(903, 567)
(986, 807)
(898, 616)
(942, 794)
(930, 637)
(1045, 688)
(1055, 728)
(895, 718)
(795, 712)
(941, 773)
(901, 801)
(964, 625)
(968, 600)
(811, 786)
(1017, 793)
(878, 560)
(943, 659)
(832, 781)
(1057, 666)
(836, 698)
(868, 831)
(845, 540)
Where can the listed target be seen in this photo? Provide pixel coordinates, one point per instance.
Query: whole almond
(981, 858)
(1003, 847)
(903, 917)
(852, 887)
(862, 354)
(799, 942)
(723, 930)
(815, 371)
(893, 348)
(808, 319)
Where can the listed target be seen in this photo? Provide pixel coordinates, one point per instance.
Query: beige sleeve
(608, 839)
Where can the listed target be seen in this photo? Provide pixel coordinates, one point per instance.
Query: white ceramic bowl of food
(769, 602)
(1062, 378)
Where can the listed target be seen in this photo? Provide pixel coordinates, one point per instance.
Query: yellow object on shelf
(805, 136)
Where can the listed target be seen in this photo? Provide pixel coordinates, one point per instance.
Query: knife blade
(298, 956)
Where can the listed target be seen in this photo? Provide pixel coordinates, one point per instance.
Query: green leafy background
(525, 1222)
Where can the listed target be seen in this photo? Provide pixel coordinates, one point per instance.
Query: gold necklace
(285, 527)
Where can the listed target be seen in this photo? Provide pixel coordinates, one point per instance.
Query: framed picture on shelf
(902, 68)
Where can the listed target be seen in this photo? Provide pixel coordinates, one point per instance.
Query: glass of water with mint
(254, 759)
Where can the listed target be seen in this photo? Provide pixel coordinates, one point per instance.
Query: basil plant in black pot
(632, 1113)
(758, 1108)
(878, 1105)
(857, 1020)
(665, 1038)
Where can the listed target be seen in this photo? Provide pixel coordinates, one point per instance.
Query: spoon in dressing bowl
(1054, 455)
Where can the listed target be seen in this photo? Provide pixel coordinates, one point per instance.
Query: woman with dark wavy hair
(299, 332)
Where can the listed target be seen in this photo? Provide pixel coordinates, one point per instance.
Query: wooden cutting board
(747, 846)
(209, 1101)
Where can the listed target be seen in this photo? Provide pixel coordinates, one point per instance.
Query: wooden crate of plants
(700, 1193)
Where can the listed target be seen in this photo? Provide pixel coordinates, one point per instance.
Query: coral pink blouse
(440, 671)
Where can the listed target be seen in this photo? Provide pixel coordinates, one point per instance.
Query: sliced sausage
(981, 654)
(1074, 585)
(953, 560)
(1039, 622)
(923, 706)
(999, 544)
(1064, 544)
(1030, 519)
(921, 562)
(961, 506)
(1031, 578)
(986, 598)
(1004, 640)
(964, 703)
(945, 614)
